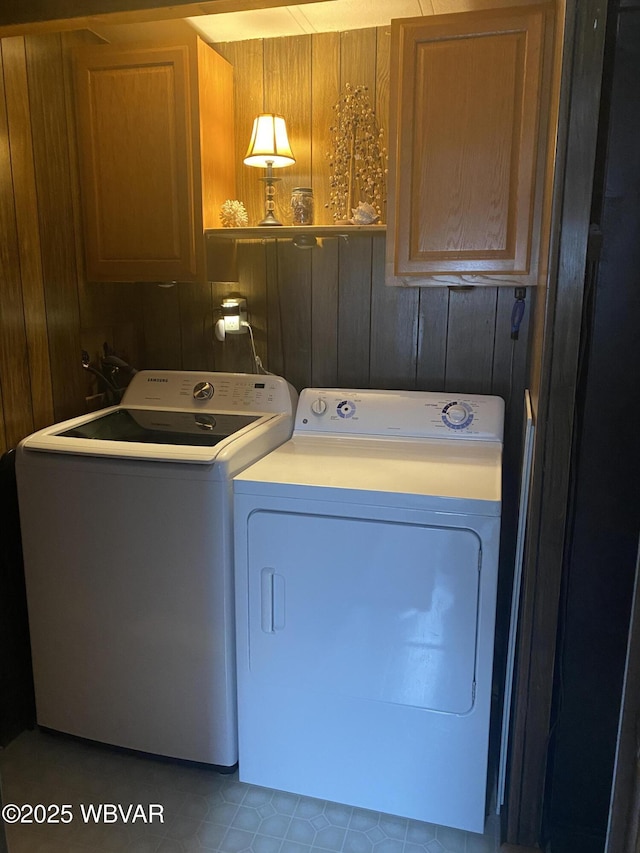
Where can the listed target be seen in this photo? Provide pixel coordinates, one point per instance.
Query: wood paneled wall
(47, 313)
(321, 316)
(324, 316)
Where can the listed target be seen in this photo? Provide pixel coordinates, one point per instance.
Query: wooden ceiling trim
(19, 17)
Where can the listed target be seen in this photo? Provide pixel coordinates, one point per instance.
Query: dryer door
(378, 610)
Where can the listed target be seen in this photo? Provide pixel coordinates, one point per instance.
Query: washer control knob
(457, 414)
(319, 407)
(203, 391)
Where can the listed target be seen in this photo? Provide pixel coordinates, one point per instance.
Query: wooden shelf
(289, 232)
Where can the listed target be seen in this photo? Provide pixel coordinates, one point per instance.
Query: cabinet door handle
(271, 601)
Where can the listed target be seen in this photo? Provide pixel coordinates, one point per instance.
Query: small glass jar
(302, 206)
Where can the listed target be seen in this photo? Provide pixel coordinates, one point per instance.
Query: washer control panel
(421, 414)
(186, 390)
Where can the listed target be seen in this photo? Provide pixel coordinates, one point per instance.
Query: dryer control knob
(319, 407)
(203, 391)
(457, 414)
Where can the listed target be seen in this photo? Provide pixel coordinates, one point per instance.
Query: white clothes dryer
(366, 573)
(126, 518)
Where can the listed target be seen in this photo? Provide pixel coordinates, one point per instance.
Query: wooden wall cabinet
(469, 123)
(156, 151)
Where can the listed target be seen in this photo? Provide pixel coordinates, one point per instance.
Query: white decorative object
(364, 214)
(233, 214)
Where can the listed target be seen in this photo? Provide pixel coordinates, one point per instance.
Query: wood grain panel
(354, 312)
(325, 90)
(108, 312)
(3, 435)
(543, 562)
(476, 164)
(287, 90)
(196, 308)
(509, 382)
(162, 333)
(215, 132)
(470, 340)
(510, 357)
(274, 318)
(155, 127)
(28, 234)
(383, 60)
(394, 329)
(253, 285)
(234, 353)
(478, 215)
(14, 363)
(555, 141)
(294, 294)
(115, 308)
(433, 314)
(484, 211)
(128, 336)
(56, 219)
(136, 160)
(358, 59)
(247, 59)
(358, 65)
(324, 314)
(71, 41)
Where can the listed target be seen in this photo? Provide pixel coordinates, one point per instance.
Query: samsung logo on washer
(155, 379)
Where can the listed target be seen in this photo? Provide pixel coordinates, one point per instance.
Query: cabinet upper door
(465, 165)
(135, 132)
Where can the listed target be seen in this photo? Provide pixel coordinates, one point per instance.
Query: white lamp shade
(269, 143)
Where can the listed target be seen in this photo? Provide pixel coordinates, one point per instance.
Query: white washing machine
(126, 518)
(366, 571)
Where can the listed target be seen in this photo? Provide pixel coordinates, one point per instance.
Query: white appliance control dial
(457, 415)
(319, 407)
(203, 391)
(346, 409)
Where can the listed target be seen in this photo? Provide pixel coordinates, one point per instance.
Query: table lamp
(269, 149)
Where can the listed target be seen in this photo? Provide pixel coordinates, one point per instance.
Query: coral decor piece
(233, 214)
(358, 159)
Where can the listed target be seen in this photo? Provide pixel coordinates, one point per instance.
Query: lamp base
(270, 220)
(269, 205)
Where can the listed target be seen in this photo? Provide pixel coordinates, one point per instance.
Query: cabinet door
(134, 115)
(464, 144)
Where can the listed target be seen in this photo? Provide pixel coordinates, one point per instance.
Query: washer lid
(148, 426)
(153, 435)
(181, 416)
(440, 474)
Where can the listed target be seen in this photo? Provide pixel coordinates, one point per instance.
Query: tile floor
(202, 809)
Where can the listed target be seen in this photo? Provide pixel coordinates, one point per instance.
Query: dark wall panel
(600, 567)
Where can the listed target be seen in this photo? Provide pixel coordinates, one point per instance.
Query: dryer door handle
(272, 601)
